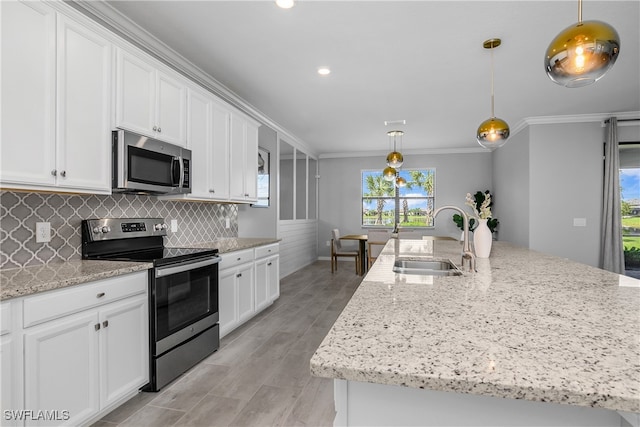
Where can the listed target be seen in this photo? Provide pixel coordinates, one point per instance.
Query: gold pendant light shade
(493, 133)
(401, 182)
(389, 173)
(395, 159)
(582, 53)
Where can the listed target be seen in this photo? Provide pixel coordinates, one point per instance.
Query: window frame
(395, 198)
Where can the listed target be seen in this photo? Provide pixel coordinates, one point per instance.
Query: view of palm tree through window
(415, 199)
(630, 209)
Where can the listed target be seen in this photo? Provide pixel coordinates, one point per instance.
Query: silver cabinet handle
(159, 130)
(97, 326)
(212, 190)
(155, 128)
(105, 323)
(270, 263)
(63, 173)
(239, 275)
(54, 172)
(100, 295)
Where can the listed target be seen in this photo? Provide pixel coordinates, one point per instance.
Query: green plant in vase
(481, 204)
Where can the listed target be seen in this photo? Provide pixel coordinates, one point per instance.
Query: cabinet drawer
(54, 304)
(5, 317)
(231, 259)
(267, 250)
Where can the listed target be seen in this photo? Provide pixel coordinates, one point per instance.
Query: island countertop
(526, 325)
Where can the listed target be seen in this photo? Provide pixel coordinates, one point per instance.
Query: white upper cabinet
(83, 107)
(149, 100)
(244, 159)
(219, 171)
(224, 145)
(56, 101)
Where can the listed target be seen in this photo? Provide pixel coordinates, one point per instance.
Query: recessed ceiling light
(285, 4)
(323, 71)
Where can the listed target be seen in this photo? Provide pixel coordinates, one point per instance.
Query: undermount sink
(426, 267)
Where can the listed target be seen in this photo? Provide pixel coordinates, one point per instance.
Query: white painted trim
(381, 153)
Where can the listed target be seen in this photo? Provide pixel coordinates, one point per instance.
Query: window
(630, 206)
(413, 204)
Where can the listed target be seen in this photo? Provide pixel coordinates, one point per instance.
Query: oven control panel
(122, 228)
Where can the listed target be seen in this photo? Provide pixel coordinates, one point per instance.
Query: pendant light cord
(579, 12)
(492, 97)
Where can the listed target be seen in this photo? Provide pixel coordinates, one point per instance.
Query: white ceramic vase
(482, 239)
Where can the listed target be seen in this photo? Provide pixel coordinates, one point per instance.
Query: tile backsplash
(19, 212)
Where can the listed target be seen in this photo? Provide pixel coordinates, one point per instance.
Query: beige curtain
(612, 251)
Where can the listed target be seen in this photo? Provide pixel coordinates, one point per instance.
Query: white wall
(262, 222)
(546, 176)
(566, 178)
(340, 204)
(511, 189)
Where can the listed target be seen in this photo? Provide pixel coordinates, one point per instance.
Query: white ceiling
(421, 61)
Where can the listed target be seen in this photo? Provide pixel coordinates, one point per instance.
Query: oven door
(184, 301)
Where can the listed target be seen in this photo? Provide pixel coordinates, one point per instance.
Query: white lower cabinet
(235, 295)
(267, 276)
(248, 282)
(10, 366)
(87, 351)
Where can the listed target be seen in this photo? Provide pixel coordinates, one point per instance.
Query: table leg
(363, 257)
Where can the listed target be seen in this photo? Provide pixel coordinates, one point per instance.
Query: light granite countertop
(19, 282)
(230, 244)
(526, 325)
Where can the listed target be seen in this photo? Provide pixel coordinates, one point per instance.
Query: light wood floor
(260, 375)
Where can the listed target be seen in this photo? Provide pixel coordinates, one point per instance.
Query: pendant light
(394, 158)
(400, 182)
(493, 132)
(389, 173)
(582, 53)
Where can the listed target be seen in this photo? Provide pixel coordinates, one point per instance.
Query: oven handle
(186, 266)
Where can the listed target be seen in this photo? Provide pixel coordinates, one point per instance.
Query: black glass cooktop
(162, 256)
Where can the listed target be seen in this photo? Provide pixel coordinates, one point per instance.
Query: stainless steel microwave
(144, 165)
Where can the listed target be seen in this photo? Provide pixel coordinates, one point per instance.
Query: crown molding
(428, 151)
(583, 118)
(109, 17)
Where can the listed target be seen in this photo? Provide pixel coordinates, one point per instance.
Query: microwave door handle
(178, 160)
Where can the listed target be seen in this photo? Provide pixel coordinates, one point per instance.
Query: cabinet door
(83, 108)
(262, 284)
(246, 298)
(61, 367)
(8, 375)
(227, 300)
(135, 94)
(28, 61)
(199, 142)
(237, 159)
(171, 109)
(124, 349)
(219, 169)
(273, 274)
(251, 157)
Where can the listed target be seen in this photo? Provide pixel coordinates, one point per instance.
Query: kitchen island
(528, 339)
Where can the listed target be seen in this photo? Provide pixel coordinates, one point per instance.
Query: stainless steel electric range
(183, 291)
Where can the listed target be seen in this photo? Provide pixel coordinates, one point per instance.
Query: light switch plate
(579, 222)
(174, 225)
(43, 232)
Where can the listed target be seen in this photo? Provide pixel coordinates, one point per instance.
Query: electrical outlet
(43, 232)
(227, 223)
(174, 225)
(328, 243)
